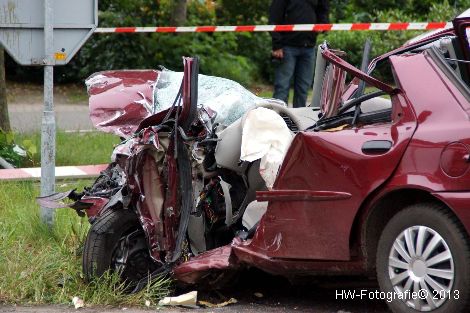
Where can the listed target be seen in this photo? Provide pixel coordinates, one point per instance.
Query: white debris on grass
(78, 303)
(20, 151)
(187, 300)
(258, 295)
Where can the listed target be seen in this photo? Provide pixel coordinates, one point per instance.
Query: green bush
(218, 51)
(384, 41)
(244, 57)
(15, 154)
(418, 9)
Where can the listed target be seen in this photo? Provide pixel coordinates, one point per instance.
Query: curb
(61, 172)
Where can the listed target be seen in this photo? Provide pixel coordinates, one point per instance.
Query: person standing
(295, 51)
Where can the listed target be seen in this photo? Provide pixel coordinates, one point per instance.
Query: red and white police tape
(61, 172)
(280, 28)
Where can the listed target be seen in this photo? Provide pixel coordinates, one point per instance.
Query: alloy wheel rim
(421, 268)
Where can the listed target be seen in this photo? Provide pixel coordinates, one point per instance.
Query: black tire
(107, 238)
(437, 218)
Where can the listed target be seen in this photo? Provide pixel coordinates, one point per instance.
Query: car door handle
(376, 146)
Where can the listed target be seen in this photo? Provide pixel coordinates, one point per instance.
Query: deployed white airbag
(266, 137)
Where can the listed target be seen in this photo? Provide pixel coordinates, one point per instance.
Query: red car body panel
(120, 100)
(327, 185)
(437, 158)
(442, 120)
(97, 205)
(300, 195)
(239, 253)
(458, 202)
(146, 181)
(334, 160)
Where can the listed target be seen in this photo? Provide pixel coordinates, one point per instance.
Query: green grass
(77, 95)
(75, 148)
(39, 265)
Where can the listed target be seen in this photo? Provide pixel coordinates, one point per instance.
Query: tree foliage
(220, 53)
(352, 42)
(242, 12)
(244, 57)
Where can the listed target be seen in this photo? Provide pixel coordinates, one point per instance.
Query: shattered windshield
(120, 100)
(228, 98)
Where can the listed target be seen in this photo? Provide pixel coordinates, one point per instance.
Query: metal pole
(48, 118)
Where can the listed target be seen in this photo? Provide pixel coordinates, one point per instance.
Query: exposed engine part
(211, 202)
(108, 183)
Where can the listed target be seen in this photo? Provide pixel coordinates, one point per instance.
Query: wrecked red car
(210, 179)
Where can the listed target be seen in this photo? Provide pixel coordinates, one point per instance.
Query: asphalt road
(278, 296)
(26, 118)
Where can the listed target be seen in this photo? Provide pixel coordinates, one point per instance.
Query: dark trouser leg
(303, 76)
(283, 75)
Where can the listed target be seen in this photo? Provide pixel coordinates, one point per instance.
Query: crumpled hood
(120, 100)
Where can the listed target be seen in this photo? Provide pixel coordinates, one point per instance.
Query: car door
(325, 178)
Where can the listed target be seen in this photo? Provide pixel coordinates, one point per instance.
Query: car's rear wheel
(116, 242)
(423, 261)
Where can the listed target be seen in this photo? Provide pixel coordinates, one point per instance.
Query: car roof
(465, 14)
(425, 35)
